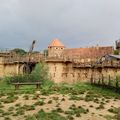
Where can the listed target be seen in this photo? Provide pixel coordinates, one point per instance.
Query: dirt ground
(51, 102)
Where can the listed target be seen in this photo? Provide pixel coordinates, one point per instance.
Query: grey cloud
(78, 23)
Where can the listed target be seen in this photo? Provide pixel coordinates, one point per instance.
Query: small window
(55, 68)
(64, 75)
(78, 74)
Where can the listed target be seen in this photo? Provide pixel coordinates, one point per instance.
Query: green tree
(40, 72)
(45, 53)
(116, 52)
(19, 51)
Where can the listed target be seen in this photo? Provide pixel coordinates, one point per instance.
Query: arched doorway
(27, 68)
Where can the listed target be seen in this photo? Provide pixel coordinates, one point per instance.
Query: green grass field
(82, 101)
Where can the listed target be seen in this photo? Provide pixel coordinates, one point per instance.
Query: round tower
(56, 48)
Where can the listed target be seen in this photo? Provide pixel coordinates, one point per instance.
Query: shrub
(74, 97)
(36, 96)
(18, 104)
(11, 108)
(42, 115)
(73, 110)
(40, 102)
(40, 73)
(100, 106)
(50, 102)
(20, 112)
(26, 97)
(30, 107)
(70, 117)
(7, 118)
(116, 111)
(9, 99)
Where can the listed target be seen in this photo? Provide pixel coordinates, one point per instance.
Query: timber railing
(106, 82)
(93, 64)
(62, 59)
(21, 59)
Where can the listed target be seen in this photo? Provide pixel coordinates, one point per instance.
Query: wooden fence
(107, 82)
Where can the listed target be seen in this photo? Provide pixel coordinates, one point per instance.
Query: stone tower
(56, 48)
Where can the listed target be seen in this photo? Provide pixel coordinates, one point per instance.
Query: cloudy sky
(77, 23)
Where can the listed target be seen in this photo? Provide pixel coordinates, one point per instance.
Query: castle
(57, 50)
(67, 64)
(76, 64)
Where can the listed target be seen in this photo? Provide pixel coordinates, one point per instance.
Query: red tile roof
(56, 43)
(93, 52)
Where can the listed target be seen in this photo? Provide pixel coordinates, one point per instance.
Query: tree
(19, 51)
(116, 52)
(40, 72)
(45, 53)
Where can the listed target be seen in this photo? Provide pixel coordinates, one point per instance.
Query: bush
(42, 115)
(40, 73)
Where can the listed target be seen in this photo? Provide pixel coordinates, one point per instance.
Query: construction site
(68, 65)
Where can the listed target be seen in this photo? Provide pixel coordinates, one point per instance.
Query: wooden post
(37, 86)
(116, 84)
(91, 79)
(16, 87)
(109, 83)
(99, 81)
(102, 79)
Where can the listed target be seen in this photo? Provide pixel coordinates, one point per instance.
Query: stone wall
(65, 72)
(55, 51)
(11, 69)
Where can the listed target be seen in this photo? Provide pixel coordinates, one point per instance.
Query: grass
(108, 117)
(42, 115)
(40, 103)
(7, 118)
(36, 96)
(101, 106)
(50, 88)
(11, 108)
(116, 111)
(75, 92)
(75, 97)
(58, 109)
(73, 110)
(26, 97)
(9, 99)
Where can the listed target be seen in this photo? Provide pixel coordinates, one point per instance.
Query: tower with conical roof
(56, 48)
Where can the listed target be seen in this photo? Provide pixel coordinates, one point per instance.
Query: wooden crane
(31, 50)
(29, 62)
